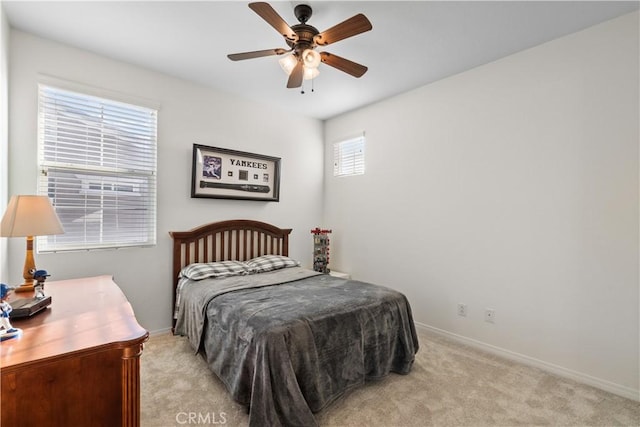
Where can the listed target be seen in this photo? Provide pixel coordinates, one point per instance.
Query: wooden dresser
(77, 363)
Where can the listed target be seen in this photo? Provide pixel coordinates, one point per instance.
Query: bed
(286, 341)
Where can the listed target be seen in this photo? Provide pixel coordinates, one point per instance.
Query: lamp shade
(30, 216)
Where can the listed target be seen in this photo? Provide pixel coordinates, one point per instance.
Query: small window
(348, 157)
(97, 162)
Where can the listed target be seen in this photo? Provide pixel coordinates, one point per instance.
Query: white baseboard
(605, 385)
(160, 332)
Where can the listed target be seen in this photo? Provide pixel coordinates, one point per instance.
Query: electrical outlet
(462, 310)
(490, 315)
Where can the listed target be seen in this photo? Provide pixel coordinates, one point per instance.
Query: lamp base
(25, 287)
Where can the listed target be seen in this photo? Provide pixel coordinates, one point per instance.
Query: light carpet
(450, 385)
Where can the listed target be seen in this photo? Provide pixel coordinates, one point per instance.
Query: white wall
(513, 186)
(4, 134)
(188, 114)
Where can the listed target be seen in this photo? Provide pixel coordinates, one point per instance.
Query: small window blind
(97, 161)
(348, 157)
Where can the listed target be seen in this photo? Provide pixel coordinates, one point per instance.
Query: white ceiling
(412, 43)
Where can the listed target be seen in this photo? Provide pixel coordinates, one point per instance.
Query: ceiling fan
(302, 39)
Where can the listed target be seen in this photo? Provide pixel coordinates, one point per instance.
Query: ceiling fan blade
(353, 26)
(267, 13)
(256, 54)
(349, 67)
(295, 79)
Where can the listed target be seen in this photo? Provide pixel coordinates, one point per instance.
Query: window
(348, 157)
(97, 162)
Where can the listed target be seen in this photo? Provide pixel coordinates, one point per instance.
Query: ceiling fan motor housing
(305, 33)
(303, 12)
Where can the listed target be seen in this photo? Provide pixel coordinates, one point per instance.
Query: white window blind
(97, 161)
(348, 157)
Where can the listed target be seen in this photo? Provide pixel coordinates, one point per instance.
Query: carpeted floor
(450, 385)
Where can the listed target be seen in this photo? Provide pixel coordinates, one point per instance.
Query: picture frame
(221, 173)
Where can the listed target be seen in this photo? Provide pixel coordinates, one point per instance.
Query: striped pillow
(266, 263)
(200, 270)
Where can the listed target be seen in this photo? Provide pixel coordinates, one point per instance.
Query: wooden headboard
(238, 239)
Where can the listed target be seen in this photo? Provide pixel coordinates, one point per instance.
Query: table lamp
(29, 216)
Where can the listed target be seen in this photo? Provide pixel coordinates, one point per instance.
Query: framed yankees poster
(221, 173)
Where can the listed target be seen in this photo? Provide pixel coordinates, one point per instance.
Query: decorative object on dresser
(221, 173)
(77, 363)
(29, 216)
(25, 307)
(321, 250)
(39, 276)
(28, 306)
(6, 330)
(286, 341)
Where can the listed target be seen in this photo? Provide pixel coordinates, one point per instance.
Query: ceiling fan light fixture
(311, 58)
(288, 63)
(310, 73)
(302, 61)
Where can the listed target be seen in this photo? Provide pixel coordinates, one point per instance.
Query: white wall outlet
(462, 310)
(490, 315)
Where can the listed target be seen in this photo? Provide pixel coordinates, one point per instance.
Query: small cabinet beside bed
(285, 341)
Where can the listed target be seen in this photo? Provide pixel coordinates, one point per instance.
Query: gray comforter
(288, 350)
